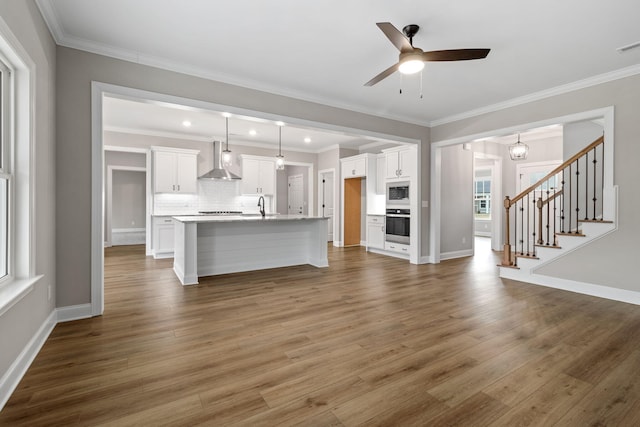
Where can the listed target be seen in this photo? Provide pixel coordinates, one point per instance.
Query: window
(482, 194)
(5, 169)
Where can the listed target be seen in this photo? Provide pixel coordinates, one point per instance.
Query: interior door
(352, 211)
(295, 194)
(326, 201)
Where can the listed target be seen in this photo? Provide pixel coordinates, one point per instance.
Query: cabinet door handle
(400, 172)
(174, 187)
(353, 171)
(178, 187)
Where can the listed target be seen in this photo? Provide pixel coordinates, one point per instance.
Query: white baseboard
(337, 243)
(128, 230)
(18, 368)
(73, 312)
(456, 254)
(594, 290)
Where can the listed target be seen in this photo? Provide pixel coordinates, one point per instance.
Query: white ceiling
(163, 119)
(325, 51)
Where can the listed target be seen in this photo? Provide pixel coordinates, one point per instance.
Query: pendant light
(518, 151)
(226, 153)
(280, 157)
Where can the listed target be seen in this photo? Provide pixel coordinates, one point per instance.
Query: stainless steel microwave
(398, 193)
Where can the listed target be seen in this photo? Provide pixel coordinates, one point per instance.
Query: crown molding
(536, 96)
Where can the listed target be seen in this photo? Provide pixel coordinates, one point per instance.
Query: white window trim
(21, 259)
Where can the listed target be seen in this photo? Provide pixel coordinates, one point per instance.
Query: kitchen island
(210, 245)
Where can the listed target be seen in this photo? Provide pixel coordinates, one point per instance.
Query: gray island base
(210, 245)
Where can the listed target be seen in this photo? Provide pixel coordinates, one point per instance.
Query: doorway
(295, 196)
(304, 186)
(127, 190)
(326, 200)
(352, 211)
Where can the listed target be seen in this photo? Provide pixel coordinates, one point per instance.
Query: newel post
(506, 254)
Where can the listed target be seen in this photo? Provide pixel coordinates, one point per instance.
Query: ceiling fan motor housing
(410, 31)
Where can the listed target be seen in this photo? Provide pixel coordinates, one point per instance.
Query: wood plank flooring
(371, 340)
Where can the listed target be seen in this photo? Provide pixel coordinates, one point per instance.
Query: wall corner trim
(18, 368)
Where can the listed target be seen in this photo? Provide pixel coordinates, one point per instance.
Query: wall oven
(397, 225)
(397, 193)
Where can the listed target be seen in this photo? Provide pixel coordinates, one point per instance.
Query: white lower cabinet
(162, 239)
(397, 247)
(375, 231)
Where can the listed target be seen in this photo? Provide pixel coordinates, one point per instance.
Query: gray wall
(456, 225)
(609, 261)
(128, 198)
(75, 72)
(119, 158)
(577, 135)
(21, 322)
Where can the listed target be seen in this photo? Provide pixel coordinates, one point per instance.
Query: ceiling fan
(412, 59)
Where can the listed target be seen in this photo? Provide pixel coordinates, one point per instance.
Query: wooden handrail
(556, 170)
(540, 203)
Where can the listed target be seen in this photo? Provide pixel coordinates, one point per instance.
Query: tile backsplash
(212, 196)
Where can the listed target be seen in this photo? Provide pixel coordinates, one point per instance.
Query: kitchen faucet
(261, 206)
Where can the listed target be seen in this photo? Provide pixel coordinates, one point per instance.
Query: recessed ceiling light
(307, 139)
(186, 123)
(253, 132)
(280, 123)
(227, 115)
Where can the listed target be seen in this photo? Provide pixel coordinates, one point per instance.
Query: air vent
(628, 47)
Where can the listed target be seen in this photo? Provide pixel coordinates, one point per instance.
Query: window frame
(7, 111)
(483, 196)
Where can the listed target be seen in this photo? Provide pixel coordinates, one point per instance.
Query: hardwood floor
(371, 340)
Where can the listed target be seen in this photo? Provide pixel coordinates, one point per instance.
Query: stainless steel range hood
(218, 172)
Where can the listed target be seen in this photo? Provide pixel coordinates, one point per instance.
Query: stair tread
(526, 256)
(596, 221)
(515, 267)
(576, 234)
(549, 246)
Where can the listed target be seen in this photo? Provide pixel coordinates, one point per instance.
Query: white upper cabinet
(175, 170)
(354, 168)
(258, 176)
(400, 164)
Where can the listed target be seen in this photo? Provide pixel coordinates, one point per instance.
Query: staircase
(570, 207)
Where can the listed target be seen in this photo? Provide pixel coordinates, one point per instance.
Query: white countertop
(244, 218)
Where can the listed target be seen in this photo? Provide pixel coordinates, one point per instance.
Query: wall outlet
(464, 240)
(49, 293)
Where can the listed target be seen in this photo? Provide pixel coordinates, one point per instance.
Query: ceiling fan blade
(383, 75)
(455, 54)
(395, 36)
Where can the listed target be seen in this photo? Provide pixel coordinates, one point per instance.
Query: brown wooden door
(352, 211)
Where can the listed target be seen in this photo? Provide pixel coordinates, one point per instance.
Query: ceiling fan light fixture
(411, 63)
